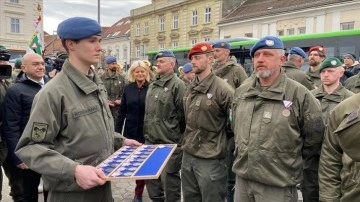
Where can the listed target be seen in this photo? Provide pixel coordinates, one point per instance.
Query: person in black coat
(16, 112)
(130, 121)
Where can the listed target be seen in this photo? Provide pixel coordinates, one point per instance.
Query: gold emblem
(321, 49)
(39, 131)
(208, 102)
(203, 48)
(286, 112)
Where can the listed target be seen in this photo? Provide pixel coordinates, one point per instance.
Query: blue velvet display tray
(144, 162)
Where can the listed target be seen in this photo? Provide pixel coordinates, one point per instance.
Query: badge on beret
(222, 44)
(39, 131)
(269, 42)
(160, 53)
(320, 49)
(203, 48)
(333, 62)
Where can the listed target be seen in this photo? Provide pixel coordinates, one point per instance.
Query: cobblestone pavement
(123, 191)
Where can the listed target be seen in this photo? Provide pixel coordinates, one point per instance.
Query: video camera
(5, 70)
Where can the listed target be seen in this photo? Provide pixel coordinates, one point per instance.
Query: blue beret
(187, 68)
(165, 53)
(330, 63)
(221, 44)
(110, 59)
(297, 51)
(77, 28)
(267, 42)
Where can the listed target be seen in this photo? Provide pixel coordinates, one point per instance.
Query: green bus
(336, 43)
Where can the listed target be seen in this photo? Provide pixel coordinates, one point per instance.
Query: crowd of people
(239, 138)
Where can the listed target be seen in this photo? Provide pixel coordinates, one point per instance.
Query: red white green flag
(35, 44)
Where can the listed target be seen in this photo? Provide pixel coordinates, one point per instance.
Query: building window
(162, 24)
(347, 25)
(175, 24)
(137, 31)
(302, 30)
(194, 17)
(280, 32)
(137, 51)
(207, 15)
(15, 25)
(207, 39)
(117, 51)
(143, 51)
(14, 1)
(174, 44)
(248, 34)
(146, 28)
(193, 41)
(161, 46)
(291, 31)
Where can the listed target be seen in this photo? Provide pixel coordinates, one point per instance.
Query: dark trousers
(31, 182)
(14, 174)
(139, 188)
(310, 185)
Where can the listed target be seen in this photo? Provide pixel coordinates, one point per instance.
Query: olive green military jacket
(231, 72)
(296, 74)
(353, 83)
(70, 124)
(338, 173)
(4, 85)
(314, 77)
(207, 107)
(329, 101)
(164, 121)
(275, 129)
(114, 85)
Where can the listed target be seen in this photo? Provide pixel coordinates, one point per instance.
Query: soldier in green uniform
(114, 84)
(296, 59)
(188, 74)
(206, 102)
(316, 55)
(339, 169)
(353, 83)
(330, 93)
(12, 172)
(227, 68)
(164, 124)
(277, 124)
(70, 129)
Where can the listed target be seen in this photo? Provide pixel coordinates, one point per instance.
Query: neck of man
(201, 76)
(332, 87)
(314, 68)
(111, 72)
(269, 80)
(79, 65)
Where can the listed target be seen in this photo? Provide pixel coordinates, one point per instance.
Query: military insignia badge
(321, 49)
(38, 132)
(269, 42)
(203, 48)
(222, 44)
(333, 62)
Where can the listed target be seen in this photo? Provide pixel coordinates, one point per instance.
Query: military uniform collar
(80, 79)
(336, 96)
(204, 85)
(315, 74)
(222, 70)
(107, 75)
(274, 92)
(161, 81)
(290, 65)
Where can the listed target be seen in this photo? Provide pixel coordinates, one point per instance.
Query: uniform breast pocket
(268, 113)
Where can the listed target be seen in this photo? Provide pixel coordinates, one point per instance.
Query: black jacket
(16, 111)
(132, 108)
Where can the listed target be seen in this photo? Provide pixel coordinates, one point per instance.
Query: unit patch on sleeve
(38, 132)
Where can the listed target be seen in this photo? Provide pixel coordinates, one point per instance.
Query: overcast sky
(111, 11)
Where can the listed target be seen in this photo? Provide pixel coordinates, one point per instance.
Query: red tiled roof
(255, 8)
(120, 29)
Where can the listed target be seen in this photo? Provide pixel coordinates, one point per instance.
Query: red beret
(321, 50)
(200, 48)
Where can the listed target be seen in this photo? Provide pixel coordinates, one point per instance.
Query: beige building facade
(326, 17)
(171, 24)
(17, 20)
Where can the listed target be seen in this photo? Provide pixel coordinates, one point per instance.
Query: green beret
(18, 63)
(330, 63)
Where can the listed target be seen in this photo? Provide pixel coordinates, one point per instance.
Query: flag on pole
(35, 44)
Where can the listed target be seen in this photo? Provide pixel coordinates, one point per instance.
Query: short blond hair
(134, 65)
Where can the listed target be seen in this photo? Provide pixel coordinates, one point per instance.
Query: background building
(17, 24)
